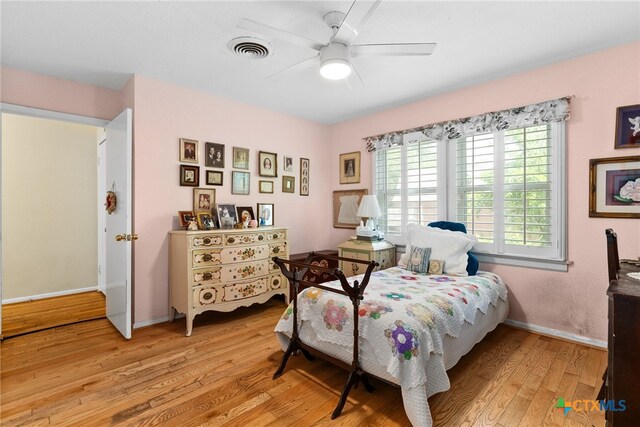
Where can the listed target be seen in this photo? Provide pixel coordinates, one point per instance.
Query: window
(507, 187)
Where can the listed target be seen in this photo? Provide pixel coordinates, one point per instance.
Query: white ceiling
(105, 43)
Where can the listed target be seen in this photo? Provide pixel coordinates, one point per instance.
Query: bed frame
(295, 274)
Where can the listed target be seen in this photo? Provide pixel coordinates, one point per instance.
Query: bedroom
(600, 77)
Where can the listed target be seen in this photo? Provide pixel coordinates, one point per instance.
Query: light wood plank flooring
(86, 374)
(24, 317)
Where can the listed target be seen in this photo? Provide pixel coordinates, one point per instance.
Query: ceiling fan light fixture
(335, 69)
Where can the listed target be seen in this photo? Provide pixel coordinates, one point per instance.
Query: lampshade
(369, 207)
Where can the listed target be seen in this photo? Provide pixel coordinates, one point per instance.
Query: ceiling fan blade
(357, 78)
(267, 30)
(396, 49)
(356, 17)
(307, 63)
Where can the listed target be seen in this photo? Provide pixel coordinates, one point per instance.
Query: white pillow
(449, 246)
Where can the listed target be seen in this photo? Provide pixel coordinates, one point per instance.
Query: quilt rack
(295, 273)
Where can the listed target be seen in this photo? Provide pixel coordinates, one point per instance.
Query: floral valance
(556, 110)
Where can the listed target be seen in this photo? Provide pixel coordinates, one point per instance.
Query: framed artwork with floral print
(614, 185)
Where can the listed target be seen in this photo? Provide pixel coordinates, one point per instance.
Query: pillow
(448, 246)
(472, 264)
(419, 260)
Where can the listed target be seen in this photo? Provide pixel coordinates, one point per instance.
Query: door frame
(43, 114)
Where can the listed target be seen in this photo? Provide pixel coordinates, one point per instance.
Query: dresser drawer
(244, 239)
(238, 291)
(278, 249)
(217, 256)
(205, 295)
(231, 272)
(276, 235)
(205, 241)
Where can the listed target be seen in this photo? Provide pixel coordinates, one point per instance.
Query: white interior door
(118, 229)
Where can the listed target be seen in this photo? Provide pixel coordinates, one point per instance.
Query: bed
(412, 327)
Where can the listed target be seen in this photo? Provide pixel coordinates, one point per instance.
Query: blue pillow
(472, 263)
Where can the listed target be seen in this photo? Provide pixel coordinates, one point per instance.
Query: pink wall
(575, 301)
(49, 93)
(163, 114)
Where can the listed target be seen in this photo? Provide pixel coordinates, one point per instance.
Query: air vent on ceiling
(250, 47)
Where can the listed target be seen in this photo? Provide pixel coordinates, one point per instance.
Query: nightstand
(379, 250)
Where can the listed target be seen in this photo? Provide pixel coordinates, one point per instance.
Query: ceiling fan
(334, 56)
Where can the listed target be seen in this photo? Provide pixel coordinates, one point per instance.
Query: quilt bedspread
(404, 316)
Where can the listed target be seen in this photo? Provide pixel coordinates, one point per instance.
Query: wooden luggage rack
(355, 292)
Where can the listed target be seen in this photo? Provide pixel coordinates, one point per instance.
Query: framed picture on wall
(345, 207)
(350, 168)
(304, 177)
(265, 186)
(240, 158)
(188, 150)
(214, 177)
(189, 176)
(265, 214)
(628, 127)
(214, 155)
(204, 199)
(239, 182)
(614, 185)
(268, 164)
(288, 164)
(288, 184)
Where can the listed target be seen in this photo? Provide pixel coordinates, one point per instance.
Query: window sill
(542, 264)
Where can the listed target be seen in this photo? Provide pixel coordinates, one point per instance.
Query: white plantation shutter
(507, 187)
(406, 183)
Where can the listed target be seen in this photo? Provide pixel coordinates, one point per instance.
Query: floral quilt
(404, 315)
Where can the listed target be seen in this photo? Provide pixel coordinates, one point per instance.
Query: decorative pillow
(436, 266)
(419, 260)
(448, 246)
(472, 264)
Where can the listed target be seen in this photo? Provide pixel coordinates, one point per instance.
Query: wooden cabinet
(224, 269)
(381, 251)
(622, 380)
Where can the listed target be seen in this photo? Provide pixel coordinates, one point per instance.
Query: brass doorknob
(132, 237)
(120, 237)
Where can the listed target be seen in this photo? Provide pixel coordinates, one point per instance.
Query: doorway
(50, 216)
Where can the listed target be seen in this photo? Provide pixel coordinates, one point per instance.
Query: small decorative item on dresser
(265, 214)
(214, 177)
(188, 150)
(288, 184)
(185, 217)
(245, 214)
(265, 186)
(240, 158)
(227, 216)
(268, 164)
(350, 168)
(189, 176)
(204, 199)
(305, 179)
(240, 182)
(628, 127)
(214, 155)
(205, 221)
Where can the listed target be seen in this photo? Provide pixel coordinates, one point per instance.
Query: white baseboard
(557, 333)
(137, 325)
(49, 295)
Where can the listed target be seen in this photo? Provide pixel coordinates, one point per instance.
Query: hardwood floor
(86, 374)
(24, 317)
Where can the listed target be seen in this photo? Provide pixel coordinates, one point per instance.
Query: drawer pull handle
(207, 276)
(276, 282)
(275, 236)
(206, 240)
(207, 295)
(207, 257)
(261, 238)
(276, 250)
(231, 240)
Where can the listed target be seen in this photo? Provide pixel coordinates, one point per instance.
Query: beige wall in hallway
(49, 202)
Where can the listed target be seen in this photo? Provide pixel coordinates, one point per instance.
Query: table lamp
(370, 209)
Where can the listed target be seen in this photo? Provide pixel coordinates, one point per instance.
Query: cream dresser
(381, 251)
(224, 269)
